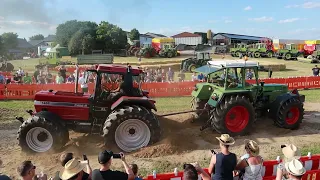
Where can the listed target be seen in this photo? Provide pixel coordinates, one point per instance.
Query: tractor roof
(233, 63)
(117, 68)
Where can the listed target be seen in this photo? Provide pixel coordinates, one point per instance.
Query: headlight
(210, 88)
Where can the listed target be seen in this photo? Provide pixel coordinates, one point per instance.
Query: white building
(187, 38)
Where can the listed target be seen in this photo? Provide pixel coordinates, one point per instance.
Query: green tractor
(146, 51)
(238, 50)
(168, 51)
(316, 55)
(289, 52)
(231, 105)
(199, 59)
(260, 50)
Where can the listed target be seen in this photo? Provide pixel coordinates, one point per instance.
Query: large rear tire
(234, 115)
(39, 135)
(290, 114)
(131, 128)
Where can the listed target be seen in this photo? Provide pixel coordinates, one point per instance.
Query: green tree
(134, 34)
(10, 40)
(111, 37)
(75, 43)
(37, 37)
(66, 30)
(2, 50)
(87, 44)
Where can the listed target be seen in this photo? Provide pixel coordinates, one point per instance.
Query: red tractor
(123, 116)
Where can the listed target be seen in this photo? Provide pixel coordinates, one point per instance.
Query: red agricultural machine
(123, 116)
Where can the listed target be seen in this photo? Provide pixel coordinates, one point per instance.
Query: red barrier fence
(166, 89)
(311, 163)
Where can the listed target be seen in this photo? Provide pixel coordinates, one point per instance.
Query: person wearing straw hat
(73, 170)
(294, 170)
(223, 164)
(253, 164)
(290, 152)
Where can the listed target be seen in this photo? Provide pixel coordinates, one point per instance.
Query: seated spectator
(66, 157)
(2, 176)
(253, 164)
(48, 77)
(27, 171)
(105, 173)
(190, 172)
(17, 78)
(200, 77)
(73, 170)
(315, 71)
(2, 79)
(181, 76)
(20, 72)
(294, 170)
(223, 164)
(71, 78)
(27, 79)
(135, 169)
(290, 153)
(194, 77)
(59, 79)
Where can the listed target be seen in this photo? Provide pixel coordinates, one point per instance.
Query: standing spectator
(48, 77)
(158, 75)
(20, 72)
(290, 153)
(41, 78)
(253, 164)
(83, 83)
(170, 75)
(249, 74)
(36, 74)
(27, 79)
(194, 77)
(66, 157)
(27, 171)
(190, 172)
(73, 170)
(59, 79)
(105, 173)
(135, 169)
(2, 79)
(294, 169)
(181, 76)
(63, 72)
(223, 164)
(315, 71)
(164, 75)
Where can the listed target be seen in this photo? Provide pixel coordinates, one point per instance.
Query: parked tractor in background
(260, 50)
(199, 59)
(168, 51)
(239, 50)
(231, 105)
(289, 52)
(5, 66)
(316, 54)
(146, 52)
(121, 114)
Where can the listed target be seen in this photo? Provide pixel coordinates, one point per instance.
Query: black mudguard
(139, 101)
(275, 105)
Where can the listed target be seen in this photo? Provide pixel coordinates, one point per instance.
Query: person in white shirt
(194, 77)
(83, 83)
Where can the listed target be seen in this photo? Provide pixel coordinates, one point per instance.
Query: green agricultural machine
(231, 105)
(260, 50)
(316, 55)
(168, 51)
(289, 52)
(238, 50)
(146, 52)
(199, 59)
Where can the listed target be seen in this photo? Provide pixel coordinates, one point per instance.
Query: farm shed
(230, 39)
(187, 38)
(145, 40)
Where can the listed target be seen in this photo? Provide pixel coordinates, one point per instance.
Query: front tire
(290, 114)
(235, 115)
(131, 128)
(39, 135)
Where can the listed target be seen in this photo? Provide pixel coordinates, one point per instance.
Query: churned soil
(181, 141)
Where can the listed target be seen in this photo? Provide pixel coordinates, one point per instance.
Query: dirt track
(181, 142)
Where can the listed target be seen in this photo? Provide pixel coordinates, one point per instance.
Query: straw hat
(72, 168)
(291, 152)
(295, 167)
(225, 139)
(252, 146)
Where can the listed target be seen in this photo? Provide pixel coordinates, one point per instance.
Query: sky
(278, 19)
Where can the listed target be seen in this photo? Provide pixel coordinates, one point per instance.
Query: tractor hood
(62, 96)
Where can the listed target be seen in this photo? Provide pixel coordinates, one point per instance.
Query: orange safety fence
(156, 89)
(269, 171)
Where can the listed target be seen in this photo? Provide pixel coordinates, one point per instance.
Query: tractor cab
(291, 47)
(199, 59)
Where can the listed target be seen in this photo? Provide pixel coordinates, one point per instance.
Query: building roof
(154, 35)
(50, 38)
(23, 44)
(186, 34)
(233, 63)
(35, 42)
(239, 36)
(145, 35)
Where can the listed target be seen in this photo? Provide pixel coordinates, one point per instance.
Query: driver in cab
(231, 78)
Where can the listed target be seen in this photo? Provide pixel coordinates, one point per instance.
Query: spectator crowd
(223, 165)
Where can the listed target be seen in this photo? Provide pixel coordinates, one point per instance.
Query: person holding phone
(104, 173)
